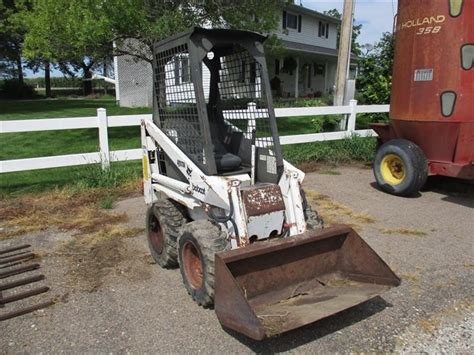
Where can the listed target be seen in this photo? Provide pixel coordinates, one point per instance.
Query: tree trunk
(87, 82)
(20, 70)
(161, 86)
(105, 74)
(47, 78)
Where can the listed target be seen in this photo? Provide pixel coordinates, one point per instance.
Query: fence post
(103, 137)
(252, 124)
(352, 116)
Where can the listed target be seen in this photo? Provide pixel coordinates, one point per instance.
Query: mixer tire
(400, 167)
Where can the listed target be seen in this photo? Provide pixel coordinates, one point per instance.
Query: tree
(374, 81)
(38, 64)
(356, 47)
(68, 31)
(153, 20)
(81, 33)
(11, 41)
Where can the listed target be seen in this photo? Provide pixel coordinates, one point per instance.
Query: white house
(309, 65)
(307, 68)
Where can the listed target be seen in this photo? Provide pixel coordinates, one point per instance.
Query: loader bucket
(275, 286)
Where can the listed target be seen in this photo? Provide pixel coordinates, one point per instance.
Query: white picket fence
(103, 122)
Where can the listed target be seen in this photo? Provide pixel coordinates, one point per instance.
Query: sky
(376, 17)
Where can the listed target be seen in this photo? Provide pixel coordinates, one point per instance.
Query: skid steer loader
(226, 207)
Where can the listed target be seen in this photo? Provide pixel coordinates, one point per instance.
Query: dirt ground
(111, 297)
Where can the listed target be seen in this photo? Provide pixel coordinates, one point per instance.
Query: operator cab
(211, 98)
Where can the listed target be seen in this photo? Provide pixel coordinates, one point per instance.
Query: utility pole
(343, 59)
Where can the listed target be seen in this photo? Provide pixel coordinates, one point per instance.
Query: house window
(318, 69)
(277, 67)
(291, 21)
(323, 30)
(181, 70)
(289, 64)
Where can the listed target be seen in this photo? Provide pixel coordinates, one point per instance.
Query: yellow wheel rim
(393, 169)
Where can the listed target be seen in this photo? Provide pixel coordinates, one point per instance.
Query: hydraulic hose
(225, 219)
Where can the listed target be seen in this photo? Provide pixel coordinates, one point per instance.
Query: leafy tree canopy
(64, 29)
(12, 33)
(374, 81)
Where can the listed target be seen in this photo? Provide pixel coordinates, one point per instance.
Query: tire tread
(416, 165)
(171, 217)
(210, 239)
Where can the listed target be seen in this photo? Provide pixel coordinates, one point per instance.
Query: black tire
(404, 179)
(197, 246)
(164, 220)
(312, 217)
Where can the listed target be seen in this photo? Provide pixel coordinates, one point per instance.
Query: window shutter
(242, 73)
(319, 30)
(176, 70)
(299, 23)
(309, 76)
(277, 67)
(284, 20)
(253, 73)
(327, 30)
(185, 69)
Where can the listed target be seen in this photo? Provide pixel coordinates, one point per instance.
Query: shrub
(342, 151)
(327, 123)
(365, 119)
(14, 89)
(95, 176)
(303, 102)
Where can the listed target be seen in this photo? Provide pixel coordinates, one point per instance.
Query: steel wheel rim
(156, 235)
(393, 169)
(192, 265)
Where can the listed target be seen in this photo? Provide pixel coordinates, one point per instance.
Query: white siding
(134, 81)
(309, 32)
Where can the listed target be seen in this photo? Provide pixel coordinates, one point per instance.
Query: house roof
(301, 47)
(228, 34)
(308, 48)
(305, 10)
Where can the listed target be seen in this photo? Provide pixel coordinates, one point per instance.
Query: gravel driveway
(123, 302)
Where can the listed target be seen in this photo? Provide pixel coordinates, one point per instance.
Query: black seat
(225, 161)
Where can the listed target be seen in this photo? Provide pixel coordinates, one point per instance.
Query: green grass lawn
(48, 143)
(57, 108)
